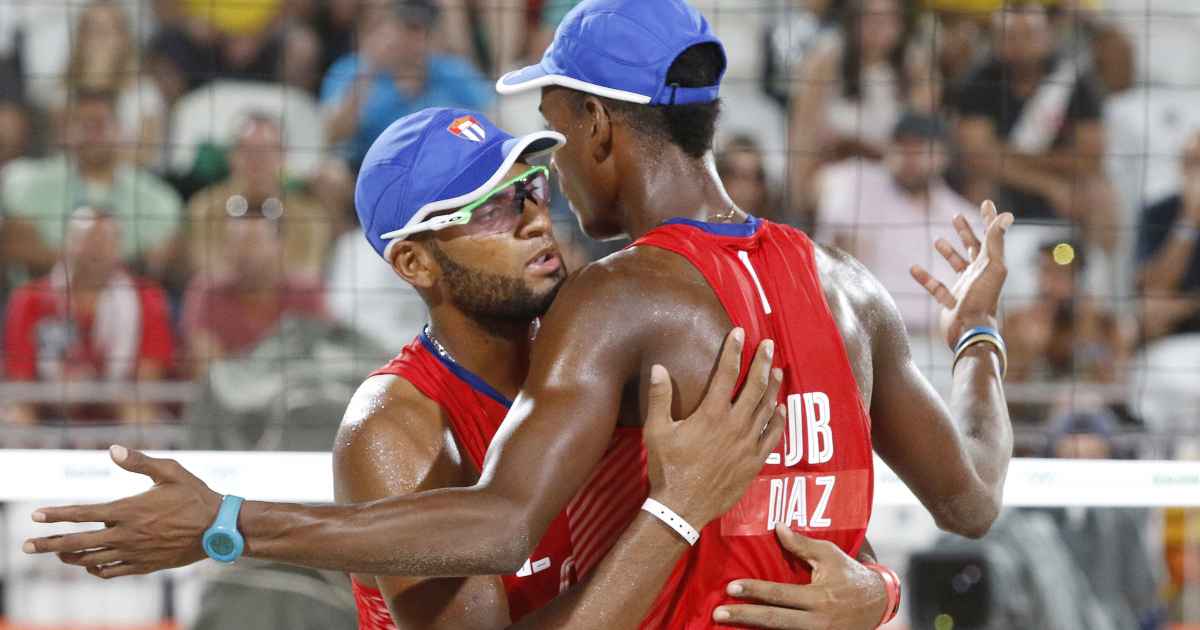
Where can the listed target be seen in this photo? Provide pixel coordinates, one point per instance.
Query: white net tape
(55, 476)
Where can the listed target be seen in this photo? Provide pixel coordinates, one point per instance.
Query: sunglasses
(501, 209)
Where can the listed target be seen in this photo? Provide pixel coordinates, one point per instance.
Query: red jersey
(819, 480)
(45, 339)
(475, 410)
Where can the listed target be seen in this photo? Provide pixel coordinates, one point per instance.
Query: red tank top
(475, 410)
(819, 480)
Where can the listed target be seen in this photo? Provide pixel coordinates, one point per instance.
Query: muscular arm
(395, 441)
(954, 458)
(555, 433)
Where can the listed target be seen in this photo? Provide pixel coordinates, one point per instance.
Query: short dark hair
(689, 126)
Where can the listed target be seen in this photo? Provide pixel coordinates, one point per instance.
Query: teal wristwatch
(222, 541)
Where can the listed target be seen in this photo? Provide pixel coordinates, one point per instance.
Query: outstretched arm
(953, 458)
(555, 433)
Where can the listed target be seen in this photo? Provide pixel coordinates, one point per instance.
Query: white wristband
(666, 515)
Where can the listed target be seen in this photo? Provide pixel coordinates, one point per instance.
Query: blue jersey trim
(463, 374)
(721, 229)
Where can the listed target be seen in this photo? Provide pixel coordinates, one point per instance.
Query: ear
(599, 121)
(413, 262)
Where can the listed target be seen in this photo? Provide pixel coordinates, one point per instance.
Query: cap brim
(522, 80)
(513, 149)
(536, 76)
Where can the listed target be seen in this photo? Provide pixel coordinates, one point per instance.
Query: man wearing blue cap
(632, 85)
(453, 204)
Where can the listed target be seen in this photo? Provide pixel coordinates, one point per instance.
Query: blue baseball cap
(620, 49)
(436, 159)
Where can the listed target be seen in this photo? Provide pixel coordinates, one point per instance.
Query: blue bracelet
(980, 330)
(222, 541)
(982, 334)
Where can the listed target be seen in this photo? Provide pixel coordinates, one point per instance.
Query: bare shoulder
(847, 281)
(638, 285)
(637, 270)
(872, 330)
(393, 439)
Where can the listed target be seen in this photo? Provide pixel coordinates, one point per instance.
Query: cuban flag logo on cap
(469, 128)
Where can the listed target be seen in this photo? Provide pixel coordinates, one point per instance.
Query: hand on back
(843, 594)
(700, 467)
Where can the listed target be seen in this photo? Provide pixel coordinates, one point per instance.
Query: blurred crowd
(177, 178)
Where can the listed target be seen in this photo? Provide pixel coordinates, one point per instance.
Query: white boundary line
(58, 476)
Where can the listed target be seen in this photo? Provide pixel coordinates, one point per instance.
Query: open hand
(973, 300)
(843, 594)
(160, 528)
(702, 466)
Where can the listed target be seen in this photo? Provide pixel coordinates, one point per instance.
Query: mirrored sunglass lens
(538, 188)
(498, 214)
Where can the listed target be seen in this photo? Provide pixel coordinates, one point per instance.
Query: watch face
(221, 544)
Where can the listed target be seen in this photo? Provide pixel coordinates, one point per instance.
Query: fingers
(773, 432)
(987, 210)
(759, 379)
(953, 257)
(159, 470)
(98, 513)
(658, 409)
(766, 403)
(117, 570)
(69, 542)
(775, 593)
(729, 367)
(772, 617)
(995, 236)
(967, 236)
(92, 558)
(812, 551)
(933, 286)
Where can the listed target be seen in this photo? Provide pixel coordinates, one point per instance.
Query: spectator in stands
(336, 24)
(889, 215)
(202, 40)
(1030, 130)
(1096, 43)
(256, 181)
(853, 87)
(89, 320)
(1169, 258)
(14, 129)
(790, 34)
(1065, 568)
(1169, 272)
(229, 314)
(19, 245)
(105, 57)
(740, 166)
(1064, 334)
(93, 172)
(395, 73)
(365, 295)
(1109, 545)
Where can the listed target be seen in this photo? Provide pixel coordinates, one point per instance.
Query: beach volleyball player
(638, 129)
